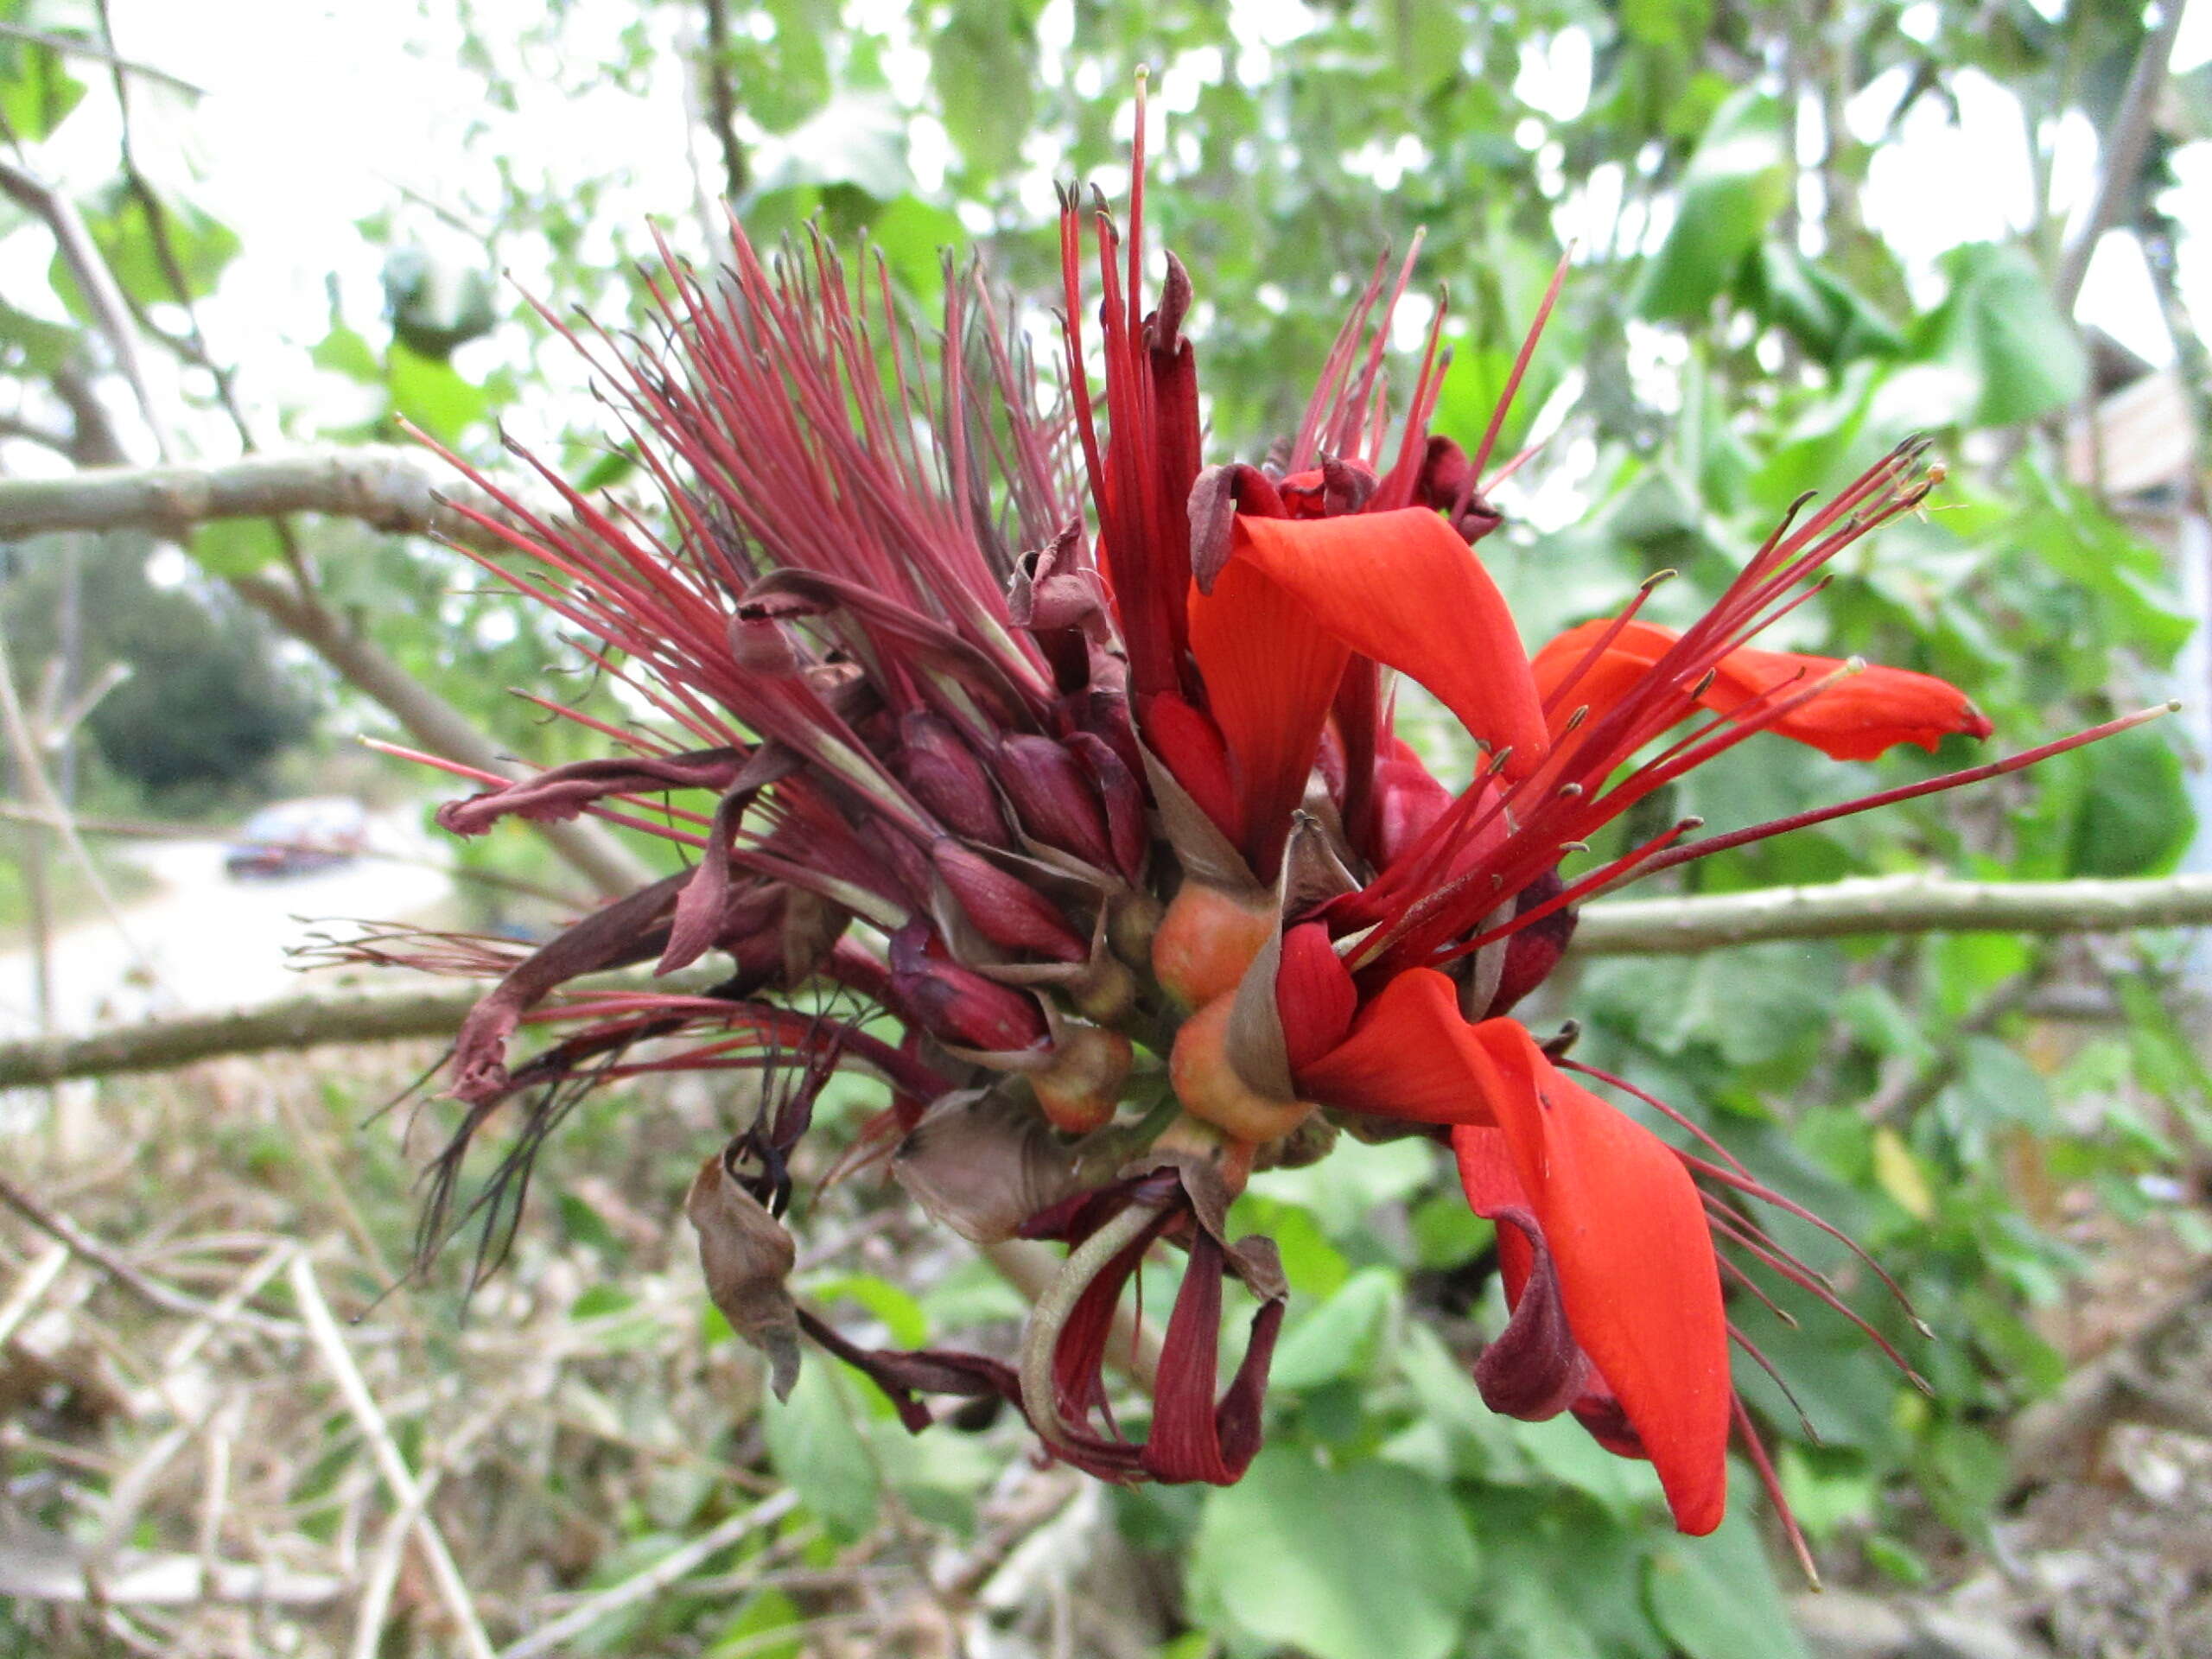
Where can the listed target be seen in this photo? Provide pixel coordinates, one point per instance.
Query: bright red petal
(1634, 1255)
(1410, 1055)
(1403, 589)
(1623, 1223)
(1270, 674)
(1855, 719)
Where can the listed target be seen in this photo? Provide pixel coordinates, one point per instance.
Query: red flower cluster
(1068, 754)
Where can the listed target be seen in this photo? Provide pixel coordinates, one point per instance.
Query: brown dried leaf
(982, 1162)
(746, 1255)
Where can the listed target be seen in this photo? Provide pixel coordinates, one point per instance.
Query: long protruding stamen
(1755, 1449)
(1520, 361)
(1911, 792)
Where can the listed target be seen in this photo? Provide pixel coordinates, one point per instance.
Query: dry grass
(223, 1432)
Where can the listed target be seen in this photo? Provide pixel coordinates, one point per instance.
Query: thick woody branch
(387, 487)
(1646, 927)
(1890, 904)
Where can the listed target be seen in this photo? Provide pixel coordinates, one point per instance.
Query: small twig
(36, 1280)
(2125, 140)
(69, 45)
(30, 768)
(323, 1330)
(94, 280)
(150, 1291)
(392, 1548)
(548, 1638)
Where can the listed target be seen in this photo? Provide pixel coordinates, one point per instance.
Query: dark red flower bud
(945, 776)
(1053, 796)
(1106, 715)
(956, 1004)
(1123, 797)
(1009, 915)
(1449, 485)
(1314, 994)
(1531, 954)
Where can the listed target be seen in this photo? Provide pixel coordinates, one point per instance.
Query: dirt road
(207, 941)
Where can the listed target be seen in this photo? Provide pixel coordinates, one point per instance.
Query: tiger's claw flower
(1039, 757)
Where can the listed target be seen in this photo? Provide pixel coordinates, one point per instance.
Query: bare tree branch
(69, 45)
(2124, 144)
(1890, 905)
(1643, 927)
(722, 102)
(387, 487)
(95, 284)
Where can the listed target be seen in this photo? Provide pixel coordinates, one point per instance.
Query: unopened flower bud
(1208, 938)
(1121, 795)
(958, 1005)
(1211, 1090)
(761, 647)
(945, 776)
(1011, 915)
(1082, 1086)
(1053, 796)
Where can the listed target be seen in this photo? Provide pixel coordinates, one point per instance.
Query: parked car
(292, 837)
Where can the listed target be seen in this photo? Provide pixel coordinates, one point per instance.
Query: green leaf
(1821, 312)
(40, 347)
(1996, 1086)
(1425, 38)
(342, 351)
(141, 263)
(2135, 816)
(1755, 1003)
(236, 547)
(431, 394)
(902, 1316)
(814, 1442)
(914, 237)
(1560, 1582)
(1370, 1560)
(983, 64)
(36, 93)
(1716, 1598)
(770, 1610)
(2000, 325)
(1738, 180)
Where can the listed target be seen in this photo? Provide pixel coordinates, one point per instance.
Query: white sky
(318, 112)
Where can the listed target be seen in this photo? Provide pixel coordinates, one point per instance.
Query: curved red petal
(1410, 1055)
(1403, 589)
(1270, 671)
(1628, 1237)
(1856, 719)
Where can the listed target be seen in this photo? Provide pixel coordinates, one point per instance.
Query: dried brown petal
(746, 1255)
(984, 1162)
